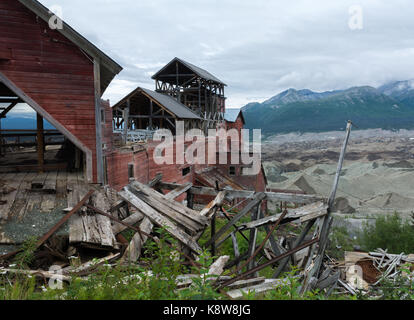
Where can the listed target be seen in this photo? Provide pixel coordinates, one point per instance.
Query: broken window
(131, 171)
(232, 171)
(186, 171)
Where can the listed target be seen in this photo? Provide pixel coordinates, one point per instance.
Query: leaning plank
(131, 220)
(267, 285)
(189, 213)
(217, 267)
(93, 229)
(218, 201)
(256, 200)
(158, 219)
(178, 192)
(241, 194)
(171, 214)
(90, 265)
(302, 214)
(38, 273)
(246, 283)
(133, 251)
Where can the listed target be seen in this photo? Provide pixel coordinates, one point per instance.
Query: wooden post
(126, 122)
(213, 233)
(40, 143)
(98, 122)
(151, 112)
(326, 223)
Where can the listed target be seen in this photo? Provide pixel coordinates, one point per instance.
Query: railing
(135, 136)
(28, 138)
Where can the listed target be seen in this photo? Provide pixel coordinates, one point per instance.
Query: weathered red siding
(51, 70)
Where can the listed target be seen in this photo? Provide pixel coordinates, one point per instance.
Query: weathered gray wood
(256, 200)
(175, 216)
(240, 194)
(235, 246)
(132, 220)
(133, 251)
(217, 267)
(39, 273)
(178, 192)
(155, 181)
(246, 283)
(93, 229)
(90, 265)
(253, 239)
(160, 220)
(327, 220)
(218, 201)
(267, 285)
(180, 208)
(13, 184)
(304, 214)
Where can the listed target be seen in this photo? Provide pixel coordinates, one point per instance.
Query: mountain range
(388, 107)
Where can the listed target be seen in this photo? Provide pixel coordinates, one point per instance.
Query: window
(102, 116)
(232, 171)
(186, 171)
(131, 171)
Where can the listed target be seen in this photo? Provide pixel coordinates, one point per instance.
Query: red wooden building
(59, 74)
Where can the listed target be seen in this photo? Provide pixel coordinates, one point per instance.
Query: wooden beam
(178, 192)
(256, 200)
(40, 143)
(158, 219)
(11, 106)
(126, 121)
(98, 123)
(240, 194)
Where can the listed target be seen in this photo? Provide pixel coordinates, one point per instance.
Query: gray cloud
(258, 48)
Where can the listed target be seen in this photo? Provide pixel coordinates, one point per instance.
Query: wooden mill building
(62, 77)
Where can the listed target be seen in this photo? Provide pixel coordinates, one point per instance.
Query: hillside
(388, 107)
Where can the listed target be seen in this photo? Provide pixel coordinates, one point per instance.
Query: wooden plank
(246, 283)
(217, 267)
(178, 192)
(182, 209)
(252, 240)
(131, 220)
(160, 220)
(241, 194)
(256, 200)
(90, 265)
(217, 202)
(49, 199)
(93, 229)
(304, 214)
(267, 285)
(133, 251)
(171, 214)
(13, 182)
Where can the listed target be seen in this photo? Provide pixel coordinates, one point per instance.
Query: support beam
(11, 106)
(98, 123)
(126, 121)
(40, 143)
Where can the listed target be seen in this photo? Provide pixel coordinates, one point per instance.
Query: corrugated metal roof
(231, 115)
(168, 102)
(197, 70)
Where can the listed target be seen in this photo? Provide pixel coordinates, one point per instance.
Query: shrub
(389, 232)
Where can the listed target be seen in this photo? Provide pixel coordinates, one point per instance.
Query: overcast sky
(258, 48)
